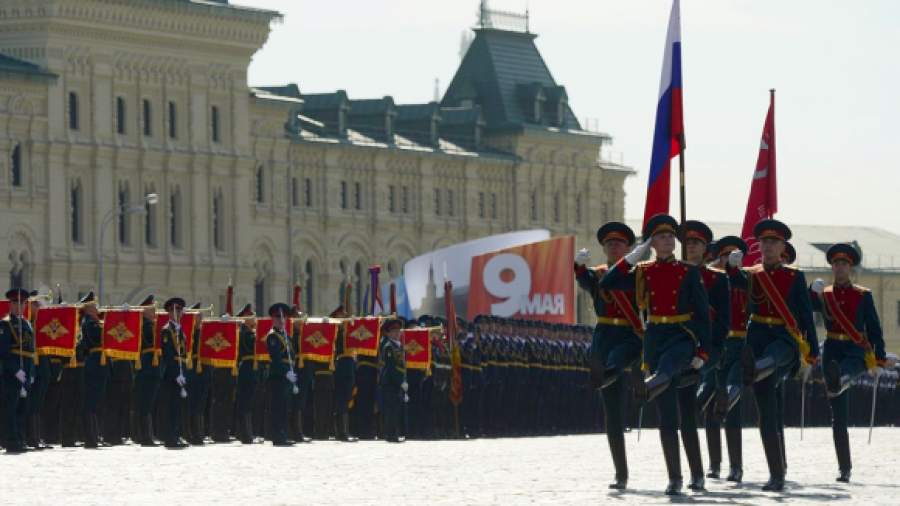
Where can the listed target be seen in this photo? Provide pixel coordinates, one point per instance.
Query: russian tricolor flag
(668, 135)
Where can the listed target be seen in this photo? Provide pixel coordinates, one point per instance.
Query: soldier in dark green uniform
(247, 375)
(199, 385)
(282, 378)
(616, 345)
(117, 402)
(16, 368)
(96, 373)
(392, 380)
(71, 386)
(362, 415)
(46, 371)
(854, 343)
(172, 388)
(781, 336)
(150, 375)
(344, 379)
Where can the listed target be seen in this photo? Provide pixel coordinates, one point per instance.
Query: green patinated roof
(16, 66)
(498, 66)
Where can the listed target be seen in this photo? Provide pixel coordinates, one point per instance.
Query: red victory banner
(122, 334)
(218, 344)
(363, 335)
(317, 339)
(531, 282)
(4, 310)
(55, 330)
(417, 346)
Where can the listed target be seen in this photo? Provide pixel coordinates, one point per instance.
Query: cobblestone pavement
(552, 470)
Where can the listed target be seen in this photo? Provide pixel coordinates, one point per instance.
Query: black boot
(714, 443)
(775, 459)
(91, 431)
(344, 429)
(31, 433)
(147, 432)
(695, 461)
(247, 429)
(705, 394)
(652, 387)
(620, 461)
(755, 370)
(301, 437)
(842, 447)
(735, 454)
(673, 461)
(196, 437)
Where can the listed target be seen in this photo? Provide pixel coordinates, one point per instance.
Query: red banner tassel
(296, 298)
(229, 299)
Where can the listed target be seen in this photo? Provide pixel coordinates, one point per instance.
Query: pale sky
(837, 82)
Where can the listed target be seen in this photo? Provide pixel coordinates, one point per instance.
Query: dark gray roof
(371, 106)
(416, 112)
(497, 65)
(314, 101)
(12, 65)
(288, 90)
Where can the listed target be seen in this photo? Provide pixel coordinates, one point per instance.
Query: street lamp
(119, 210)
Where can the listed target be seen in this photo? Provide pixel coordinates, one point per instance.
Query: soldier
(730, 251)
(282, 377)
(149, 376)
(71, 385)
(616, 344)
(344, 378)
(392, 380)
(696, 238)
(362, 415)
(117, 402)
(247, 375)
(678, 314)
(96, 372)
(854, 342)
(781, 334)
(173, 387)
(199, 386)
(16, 367)
(46, 371)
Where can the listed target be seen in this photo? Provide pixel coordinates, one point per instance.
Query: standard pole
(681, 188)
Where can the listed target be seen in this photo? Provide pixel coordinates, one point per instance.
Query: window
(146, 118)
(437, 201)
(173, 121)
(343, 195)
(150, 220)
(16, 165)
(218, 221)
(259, 294)
(175, 218)
(392, 199)
(493, 206)
(357, 288)
(481, 204)
(73, 110)
(260, 185)
(16, 278)
(120, 116)
(310, 286)
(556, 212)
(450, 210)
(534, 213)
(404, 200)
(295, 192)
(307, 192)
(124, 216)
(357, 196)
(76, 204)
(214, 125)
(578, 209)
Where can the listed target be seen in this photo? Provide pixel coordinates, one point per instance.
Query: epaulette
(601, 268)
(717, 270)
(753, 269)
(646, 263)
(861, 289)
(791, 267)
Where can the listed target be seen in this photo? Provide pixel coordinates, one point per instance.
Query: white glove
(405, 398)
(582, 257)
(818, 286)
(181, 380)
(736, 258)
(805, 371)
(404, 386)
(31, 380)
(20, 375)
(637, 253)
(291, 376)
(697, 362)
(876, 372)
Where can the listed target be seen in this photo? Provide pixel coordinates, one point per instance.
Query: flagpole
(681, 188)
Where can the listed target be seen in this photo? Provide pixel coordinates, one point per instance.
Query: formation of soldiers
(517, 378)
(705, 329)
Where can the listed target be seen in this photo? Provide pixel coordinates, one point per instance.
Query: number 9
(511, 291)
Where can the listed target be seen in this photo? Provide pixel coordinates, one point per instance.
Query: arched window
(310, 287)
(147, 117)
(259, 293)
(73, 111)
(493, 206)
(175, 218)
(19, 273)
(578, 210)
(556, 213)
(76, 204)
(124, 216)
(16, 165)
(450, 203)
(295, 192)
(307, 192)
(358, 289)
(120, 116)
(357, 196)
(173, 121)
(150, 219)
(214, 123)
(260, 185)
(218, 225)
(534, 210)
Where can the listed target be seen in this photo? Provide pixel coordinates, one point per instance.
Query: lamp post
(119, 210)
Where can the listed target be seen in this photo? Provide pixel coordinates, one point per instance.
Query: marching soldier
(730, 251)
(392, 380)
(222, 387)
(173, 387)
(117, 403)
(678, 315)
(150, 375)
(282, 377)
(96, 373)
(696, 238)
(616, 344)
(199, 385)
(854, 342)
(363, 413)
(46, 371)
(781, 334)
(344, 378)
(247, 375)
(17, 367)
